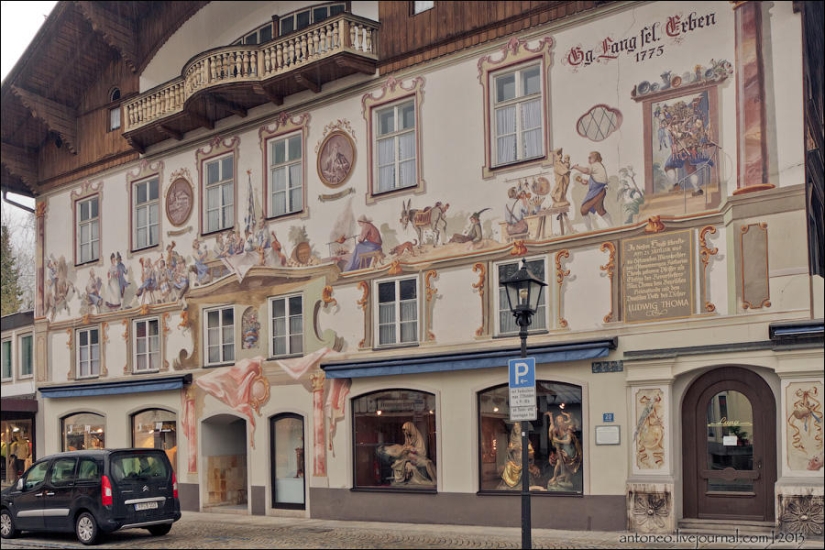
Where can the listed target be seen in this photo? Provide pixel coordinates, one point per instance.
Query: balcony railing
(253, 64)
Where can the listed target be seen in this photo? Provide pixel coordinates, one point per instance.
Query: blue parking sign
(522, 372)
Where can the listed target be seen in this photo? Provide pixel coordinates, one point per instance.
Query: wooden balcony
(231, 80)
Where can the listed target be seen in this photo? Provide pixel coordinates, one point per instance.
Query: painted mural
(650, 429)
(804, 426)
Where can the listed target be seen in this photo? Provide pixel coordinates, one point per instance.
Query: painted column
(750, 99)
(319, 462)
(40, 217)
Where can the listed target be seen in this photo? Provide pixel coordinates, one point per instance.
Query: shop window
(397, 320)
(395, 440)
(156, 429)
(17, 449)
(88, 353)
(220, 335)
(287, 327)
(506, 321)
(84, 431)
(556, 445)
(6, 357)
(288, 461)
(26, 360)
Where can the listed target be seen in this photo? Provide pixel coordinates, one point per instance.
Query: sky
(19, 22)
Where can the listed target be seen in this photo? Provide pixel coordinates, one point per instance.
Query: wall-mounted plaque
(657, 276)
(608, 435)
(336, 159)
(179, 201)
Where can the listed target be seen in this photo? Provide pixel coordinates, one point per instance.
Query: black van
(92, 493)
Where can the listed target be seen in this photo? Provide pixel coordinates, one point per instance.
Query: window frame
(396, 135)
(521, 97)
(397, 322)
(287, 164)
(147, 204)
(393, 93)
(288, 316)
(93, 223)
(225, 181)
(157, 353)
(21, 349)
(364, 407)
(7, 358)
(515, 55)
(79, 362)
(115, 119)
(501, 306)
(223, 359)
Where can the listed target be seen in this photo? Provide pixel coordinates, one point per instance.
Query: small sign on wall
(607, 417)
(607, 435)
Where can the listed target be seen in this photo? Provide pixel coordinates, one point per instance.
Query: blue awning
(167, 383)
(576, 351)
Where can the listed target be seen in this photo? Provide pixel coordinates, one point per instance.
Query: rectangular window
(26, 360)
(397, 312)
(220, 335)
(517, 115)
(286, 190)
(147, 345)
(220, 194)
(146, 210)
(506, 322)
(88, 353)
(114, 118)
(88, 230)
(287, 325)
(395, 146)
(6, 359)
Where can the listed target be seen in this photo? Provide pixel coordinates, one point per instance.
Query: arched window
(114, 112)
(84, 431)
(556, 444)
(395, 440)
(156, 429)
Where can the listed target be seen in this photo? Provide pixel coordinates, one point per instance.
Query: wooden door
(729, 443)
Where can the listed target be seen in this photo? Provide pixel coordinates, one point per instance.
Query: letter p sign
(522, 372)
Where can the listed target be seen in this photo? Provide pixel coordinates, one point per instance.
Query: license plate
(146, 505)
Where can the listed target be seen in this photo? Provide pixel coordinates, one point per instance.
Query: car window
(35, 476)
(139, 466)
(63, 471)
(89, 470)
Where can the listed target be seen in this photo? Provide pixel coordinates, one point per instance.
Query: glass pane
(303, 20)
(505, 87)
(531, 81)
(386, 122)
(212, 172)
(407, 289)
(730, 439)
(278, 308)
(295, 305)
(227, 163)
(288, 442)
(279, 151)
(287, 25)
(386, 292)
(406, 116)
(294, 147)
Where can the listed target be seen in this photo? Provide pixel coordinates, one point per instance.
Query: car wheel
(86, 528)
(7, 530)
(160, 530)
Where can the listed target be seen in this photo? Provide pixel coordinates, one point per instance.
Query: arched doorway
(729, 442)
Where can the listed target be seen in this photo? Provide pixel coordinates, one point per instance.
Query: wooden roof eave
(20, 170)
(115, 31)
(60, 119)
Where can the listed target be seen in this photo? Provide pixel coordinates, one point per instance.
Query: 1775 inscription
(658, 277)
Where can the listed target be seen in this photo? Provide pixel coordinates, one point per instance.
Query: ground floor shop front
(645, 444)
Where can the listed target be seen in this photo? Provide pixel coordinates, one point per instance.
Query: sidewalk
(361, 534)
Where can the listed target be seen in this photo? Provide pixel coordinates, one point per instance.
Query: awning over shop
(567, 352)
(115, 388)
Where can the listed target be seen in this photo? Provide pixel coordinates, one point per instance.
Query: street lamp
(523, 295)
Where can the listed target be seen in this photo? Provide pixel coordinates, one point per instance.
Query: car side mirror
(20, 484)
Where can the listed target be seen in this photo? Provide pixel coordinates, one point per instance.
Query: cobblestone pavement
(216, 530)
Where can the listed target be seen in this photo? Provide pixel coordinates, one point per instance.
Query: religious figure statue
(410, 465)
(511, 476)
(566, 457)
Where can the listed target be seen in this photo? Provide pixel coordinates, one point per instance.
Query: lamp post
(523, 296)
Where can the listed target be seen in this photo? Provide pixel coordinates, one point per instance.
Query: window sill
(218, 365)
(382, 347)
(146, 371)
(287, 356)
